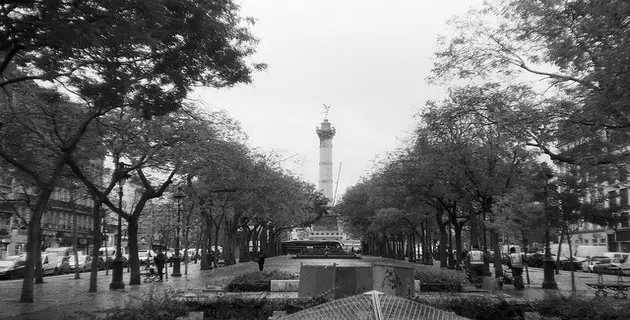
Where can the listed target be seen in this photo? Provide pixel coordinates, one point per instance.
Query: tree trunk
(230, 240)
(474, 228)
(494, 240)
(571, 263)
(96, 239)
(186, 244)
(263, 238)
(198, 243)
(458, 245)
(484, 229)
(410, 246)
(32, 243)
(559, 252)
(39, 273)
(216, 245)
(132, 233)
(206, 239)
(255, 241)
(423, 243)
(442, 247)
(245, 237)
(439, 218)
(75, 254)
(273, 236)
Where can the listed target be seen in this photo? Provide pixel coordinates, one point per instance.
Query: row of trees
(84, 80)
(475, 164)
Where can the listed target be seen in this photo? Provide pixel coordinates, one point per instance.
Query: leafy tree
(474, 147)
(578, 47)
(146, 55)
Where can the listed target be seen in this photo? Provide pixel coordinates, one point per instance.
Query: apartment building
(68, 218)
(612, 193)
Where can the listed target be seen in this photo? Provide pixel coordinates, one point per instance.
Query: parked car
(109, 262)
(616, 267)
(602, 266)
(575, 263)
(589, 264)
(50, 263)
(536, 259)
(85, 263)
(619, 263)
(12, 267)
(145, 257)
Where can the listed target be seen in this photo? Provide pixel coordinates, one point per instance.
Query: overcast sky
(367, 59)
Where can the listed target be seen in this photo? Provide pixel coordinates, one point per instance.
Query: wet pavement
(60, 296)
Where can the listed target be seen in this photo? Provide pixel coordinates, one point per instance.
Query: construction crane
(337, 184)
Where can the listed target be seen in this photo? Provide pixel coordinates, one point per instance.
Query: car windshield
(6, 263)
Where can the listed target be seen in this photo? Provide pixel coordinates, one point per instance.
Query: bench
(620, 287)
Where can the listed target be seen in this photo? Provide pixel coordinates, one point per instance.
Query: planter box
(285, 285)
(332, 281)
(394, 280)
(249, 287)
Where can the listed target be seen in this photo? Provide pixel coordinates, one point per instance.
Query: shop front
(621, 238)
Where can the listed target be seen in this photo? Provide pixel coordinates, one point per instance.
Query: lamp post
(117, 270)
(179, 195)
(549, 281)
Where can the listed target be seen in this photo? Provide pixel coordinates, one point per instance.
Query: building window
(624, 196)
(602, 240)
(585, 240)
(612, 199)
(624, 220)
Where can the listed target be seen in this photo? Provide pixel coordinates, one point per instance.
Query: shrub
(489, 307)
(577, 307)
(154, 308)
(481, 307)
(257, 281)
(432, 279)
(250, 309)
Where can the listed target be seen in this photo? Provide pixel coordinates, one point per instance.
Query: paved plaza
(62, 295)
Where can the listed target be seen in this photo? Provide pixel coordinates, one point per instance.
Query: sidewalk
(60, 296)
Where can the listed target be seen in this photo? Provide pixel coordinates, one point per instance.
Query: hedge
(433, 279)
(481, 307)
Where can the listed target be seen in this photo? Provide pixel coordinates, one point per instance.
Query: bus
(295, 246)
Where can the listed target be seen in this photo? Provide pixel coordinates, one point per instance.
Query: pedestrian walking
(515, 262)
(475, 260)
(261, 260)
(159, 261)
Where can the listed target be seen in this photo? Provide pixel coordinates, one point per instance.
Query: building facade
(68, 218)
(612, 193)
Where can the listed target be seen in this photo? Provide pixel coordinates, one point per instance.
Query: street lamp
(549, 281)
(179, 195)
(117, 270)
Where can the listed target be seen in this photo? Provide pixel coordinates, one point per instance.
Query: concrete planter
(285, 285)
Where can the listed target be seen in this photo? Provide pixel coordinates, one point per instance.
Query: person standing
(475, 260)
(159, 261)
(261, 260)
